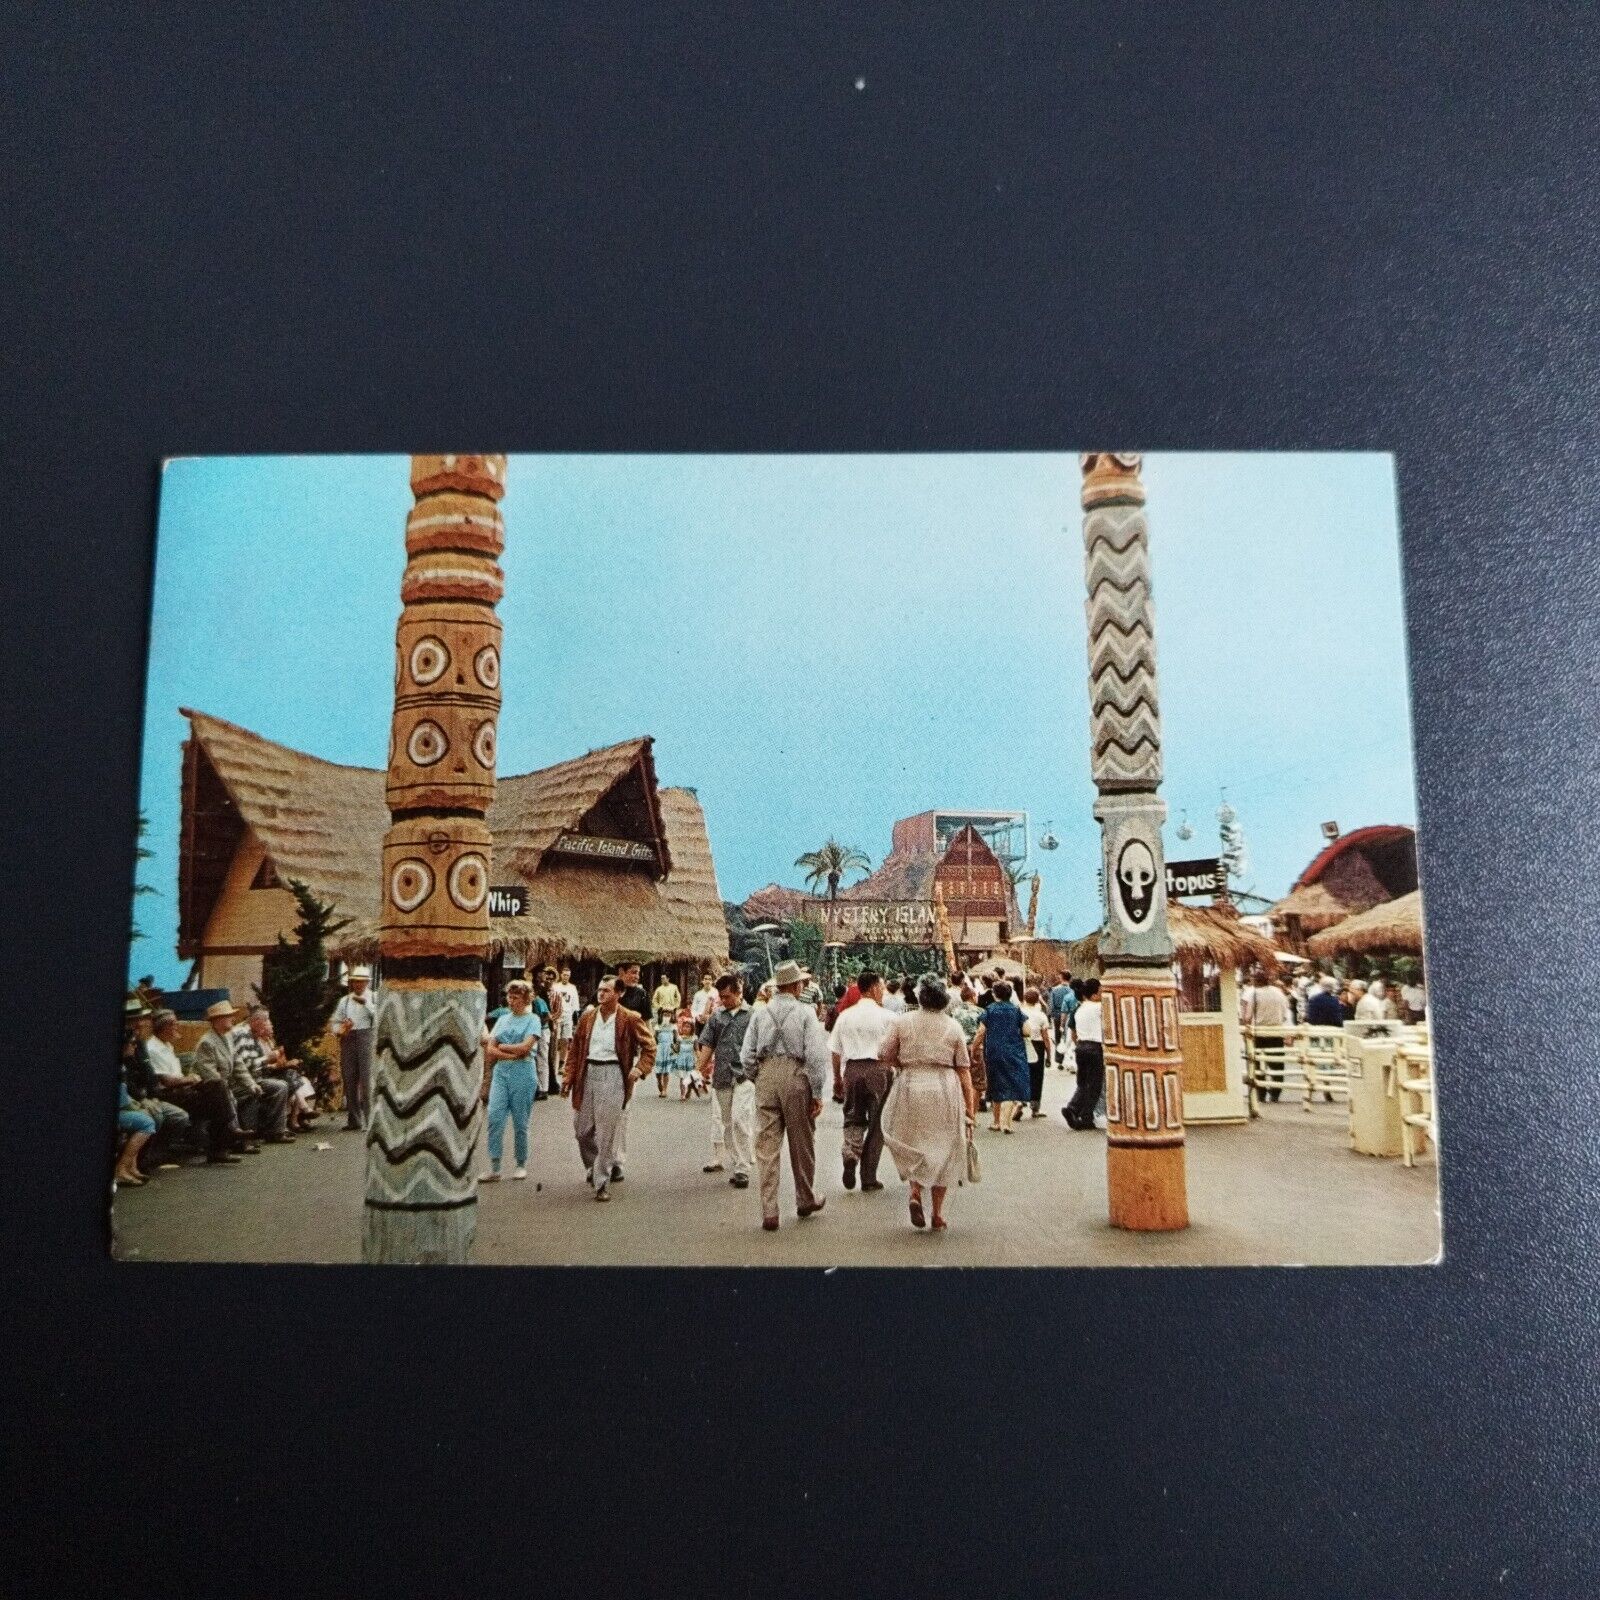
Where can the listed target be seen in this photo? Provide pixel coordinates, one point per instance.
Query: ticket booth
(1212, 1045)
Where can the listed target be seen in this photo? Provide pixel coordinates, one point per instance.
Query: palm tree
(832, 861)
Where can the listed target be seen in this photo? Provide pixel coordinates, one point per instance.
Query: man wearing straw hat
(786, 1047)
(210, 1102)
(258, 1107)
(353, 1019)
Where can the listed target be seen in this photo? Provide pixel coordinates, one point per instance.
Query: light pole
(765, 928)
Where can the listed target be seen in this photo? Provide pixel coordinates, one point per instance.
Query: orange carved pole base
(1145, 1180)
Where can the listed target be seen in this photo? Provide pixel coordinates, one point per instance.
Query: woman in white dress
(930, 1104)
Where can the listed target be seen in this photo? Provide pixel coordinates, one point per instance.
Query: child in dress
(666, 1055)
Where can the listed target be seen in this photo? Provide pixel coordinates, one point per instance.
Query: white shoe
(521, 1172)
(488, 1177)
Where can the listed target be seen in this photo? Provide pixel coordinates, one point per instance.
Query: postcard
(970, 860)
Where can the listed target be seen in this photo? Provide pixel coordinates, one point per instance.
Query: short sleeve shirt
(723, 1035)
(512, 1029)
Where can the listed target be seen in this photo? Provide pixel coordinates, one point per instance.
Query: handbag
(974, 1167)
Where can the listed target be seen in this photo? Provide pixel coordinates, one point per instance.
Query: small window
(266, 876)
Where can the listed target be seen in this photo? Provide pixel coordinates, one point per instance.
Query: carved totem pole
(1144, 1086)
(421, 1199)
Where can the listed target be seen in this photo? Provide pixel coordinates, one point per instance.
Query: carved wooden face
(441, 758)
(447, 708)
(436, 887)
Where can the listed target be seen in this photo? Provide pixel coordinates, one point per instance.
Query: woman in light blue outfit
(509, 1051)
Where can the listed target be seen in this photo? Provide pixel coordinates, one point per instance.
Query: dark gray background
(606, 228)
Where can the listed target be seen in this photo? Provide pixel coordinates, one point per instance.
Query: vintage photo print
(810, 861)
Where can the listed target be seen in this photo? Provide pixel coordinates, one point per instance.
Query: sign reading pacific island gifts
(879, 922)
(592, 844)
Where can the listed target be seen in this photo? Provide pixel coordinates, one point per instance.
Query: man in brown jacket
(612, 1049)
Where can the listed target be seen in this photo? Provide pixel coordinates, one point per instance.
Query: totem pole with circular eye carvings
(1145, 1180)
(421, 1196)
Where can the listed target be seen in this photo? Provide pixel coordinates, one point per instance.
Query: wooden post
(1033, 905)
(1145, 1180)
(421, 1196)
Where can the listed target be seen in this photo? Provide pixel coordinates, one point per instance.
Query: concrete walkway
(1284, 1190)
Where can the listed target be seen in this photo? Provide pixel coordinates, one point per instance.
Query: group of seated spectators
(238, 1091)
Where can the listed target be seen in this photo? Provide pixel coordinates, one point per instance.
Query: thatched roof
(1199, 934)
(1394, 926)
(324, 824)
(1359, 869)
(1314, 905)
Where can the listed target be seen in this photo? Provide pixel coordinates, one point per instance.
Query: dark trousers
(865, 1085)
(1036, 1075)
(1274, 1073)
(355, 1067)
(207, 1102)
(1091, 1059)
(264, 1113)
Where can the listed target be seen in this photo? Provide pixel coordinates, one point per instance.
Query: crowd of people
(237, 1092)
(913, 1061)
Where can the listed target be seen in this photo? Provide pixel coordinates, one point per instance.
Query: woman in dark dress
(1005, 1056)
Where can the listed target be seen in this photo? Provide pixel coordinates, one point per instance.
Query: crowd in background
(238, 1091)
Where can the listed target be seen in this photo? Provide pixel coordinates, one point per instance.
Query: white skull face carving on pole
(1136, 880)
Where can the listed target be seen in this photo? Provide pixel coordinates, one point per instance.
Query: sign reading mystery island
(879, 922)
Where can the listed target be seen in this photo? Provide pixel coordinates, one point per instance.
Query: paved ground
(1284, 1190)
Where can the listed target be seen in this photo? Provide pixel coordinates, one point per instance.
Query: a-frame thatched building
(610, 864)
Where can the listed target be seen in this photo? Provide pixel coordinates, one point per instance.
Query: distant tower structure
(421, 1195)
(1145, 1179)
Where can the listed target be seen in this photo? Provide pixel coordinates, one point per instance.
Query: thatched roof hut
(1200, 934)
(1395, 927)
(257, 814)
(1358, 870)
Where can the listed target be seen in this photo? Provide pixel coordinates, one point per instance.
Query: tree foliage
(830, 863)
(296, 986)
(140, 853)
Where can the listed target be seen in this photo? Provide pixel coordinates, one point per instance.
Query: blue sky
(819, 644)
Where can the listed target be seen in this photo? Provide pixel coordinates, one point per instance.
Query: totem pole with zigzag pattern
(421, 1195)
(1145, 1180)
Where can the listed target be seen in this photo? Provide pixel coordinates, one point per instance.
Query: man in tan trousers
(786, 1047)
(612, 1049)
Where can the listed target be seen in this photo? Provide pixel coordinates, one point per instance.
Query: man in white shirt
(893, 1001)
(1265, 1008)
(352, 1022)
(1086, 1025)
(1372, 1006)
(857, 1036)
(567, 992)
(612, 1049)
(1413, 1002)
(703, 1003)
